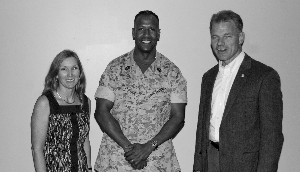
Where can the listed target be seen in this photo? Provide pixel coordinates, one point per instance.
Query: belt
(215, 144)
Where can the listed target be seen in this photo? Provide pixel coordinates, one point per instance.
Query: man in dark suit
(240, 114)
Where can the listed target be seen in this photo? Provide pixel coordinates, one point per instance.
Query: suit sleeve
(271, 114)
(199, 133)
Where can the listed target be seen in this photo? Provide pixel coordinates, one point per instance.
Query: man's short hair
(227, 16)
(146, 13)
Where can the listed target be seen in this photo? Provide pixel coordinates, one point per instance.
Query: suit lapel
(209, 85)
(239, 81)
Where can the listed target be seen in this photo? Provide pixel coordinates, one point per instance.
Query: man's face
(226, 41)
(146, 33)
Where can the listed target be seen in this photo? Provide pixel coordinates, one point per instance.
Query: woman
(60, 119)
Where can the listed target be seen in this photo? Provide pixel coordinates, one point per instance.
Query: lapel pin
(243, 75)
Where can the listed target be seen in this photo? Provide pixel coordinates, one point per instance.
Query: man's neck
(225, 63)
(144, 60)
(144, 57)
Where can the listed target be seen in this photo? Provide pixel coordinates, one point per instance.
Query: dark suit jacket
(251, 136)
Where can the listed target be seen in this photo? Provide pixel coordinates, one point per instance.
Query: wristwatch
(154, 144)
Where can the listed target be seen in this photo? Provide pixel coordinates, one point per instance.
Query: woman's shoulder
(87, 98)
(41, 106)
(87, 102)
(42, 101)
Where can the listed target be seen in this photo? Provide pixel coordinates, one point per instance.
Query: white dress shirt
(222, 86)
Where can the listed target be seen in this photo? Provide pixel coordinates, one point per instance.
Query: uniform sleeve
(105, 89)
(178, 86)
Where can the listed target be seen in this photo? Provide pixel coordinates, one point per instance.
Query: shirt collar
(233, 64)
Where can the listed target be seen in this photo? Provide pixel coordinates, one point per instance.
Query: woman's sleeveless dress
(68, 128)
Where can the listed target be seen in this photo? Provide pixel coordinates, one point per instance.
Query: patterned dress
(142, 105)
(67, 130)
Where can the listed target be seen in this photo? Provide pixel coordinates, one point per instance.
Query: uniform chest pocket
(160, 94)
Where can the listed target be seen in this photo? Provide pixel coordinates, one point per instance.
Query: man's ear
(158, 35)
(241, 38)
(133, 34)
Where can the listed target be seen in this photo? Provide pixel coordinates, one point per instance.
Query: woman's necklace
(64, 99)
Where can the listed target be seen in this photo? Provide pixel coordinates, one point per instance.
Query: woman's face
(68, 73)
